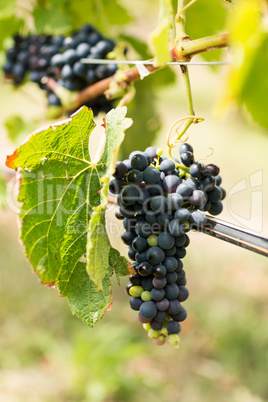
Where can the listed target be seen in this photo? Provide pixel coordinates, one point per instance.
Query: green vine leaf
(64, 197)
(203, 11)
(160, 37)
(245, 82)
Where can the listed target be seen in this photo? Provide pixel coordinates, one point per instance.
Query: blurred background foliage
(45, 353)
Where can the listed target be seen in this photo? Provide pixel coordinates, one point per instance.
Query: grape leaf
(17, 128)
(246, 82)
(64, 196)
(103, 14)
(138, 45)
(9, 25)
(52, 18)
(204, 18)
(7, 8)
(160, 36)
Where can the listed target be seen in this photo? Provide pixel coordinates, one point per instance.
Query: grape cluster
(58, 57)
(160, 200)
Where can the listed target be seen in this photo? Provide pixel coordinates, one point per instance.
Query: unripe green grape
(152, 240)
(135, 291)
(164, 331)
(153, 334)
(159, 151)
(146, 326)
(146, 296)
(173, 340)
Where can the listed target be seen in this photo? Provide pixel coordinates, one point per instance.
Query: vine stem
(180, 19)
(182, 51)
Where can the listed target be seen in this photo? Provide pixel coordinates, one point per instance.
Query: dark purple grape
(215, 194)
(135, 303)
(198, 218)
(118, 215)
(139, 244)
(141, 257)
(159, 271)
(187, 158)
(170, 183)
(151, 151)
(176, 228)
(216, 208)
(174, 306)
(135, 280)
(135, 176)
(173, 327)
(162, 305)
(79, 69)
(157, 294)
(148, 310)
(197, 199)
(184, 293)
(160, 316)
(128, 237)
(181, 316)
(155, 325)
(83, 50)
(139, 162)
(197, 170)
(167, 166)
(170, 252)
(165, 240)
(116, 185)
(70, 56)
(182, 215)
(155, 255)
(214, 170)
(131, 253)
(120, 170)
(185, 147)
(143, 229)
(159, 283)
(184, 190)
(180, 240)
(129, 194)
(151, 175)
(223, 193)
(174, 202)
(145, 269)
(171, 277)
(218, 180)
(171, 291)
(207, 182)
(147, 283)
(170, 263)
(67, 72)
(158, 204)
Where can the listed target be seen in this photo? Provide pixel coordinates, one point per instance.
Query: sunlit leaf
(246, 83)
(205, 18)
(160, 36)
(63, 197)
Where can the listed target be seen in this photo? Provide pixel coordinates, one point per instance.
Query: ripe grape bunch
(160, 200)
(59, 57)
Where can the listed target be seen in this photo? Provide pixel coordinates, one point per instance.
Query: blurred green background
(46, 354)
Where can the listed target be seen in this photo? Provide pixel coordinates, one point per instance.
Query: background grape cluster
(58, 57)
(160, 200)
